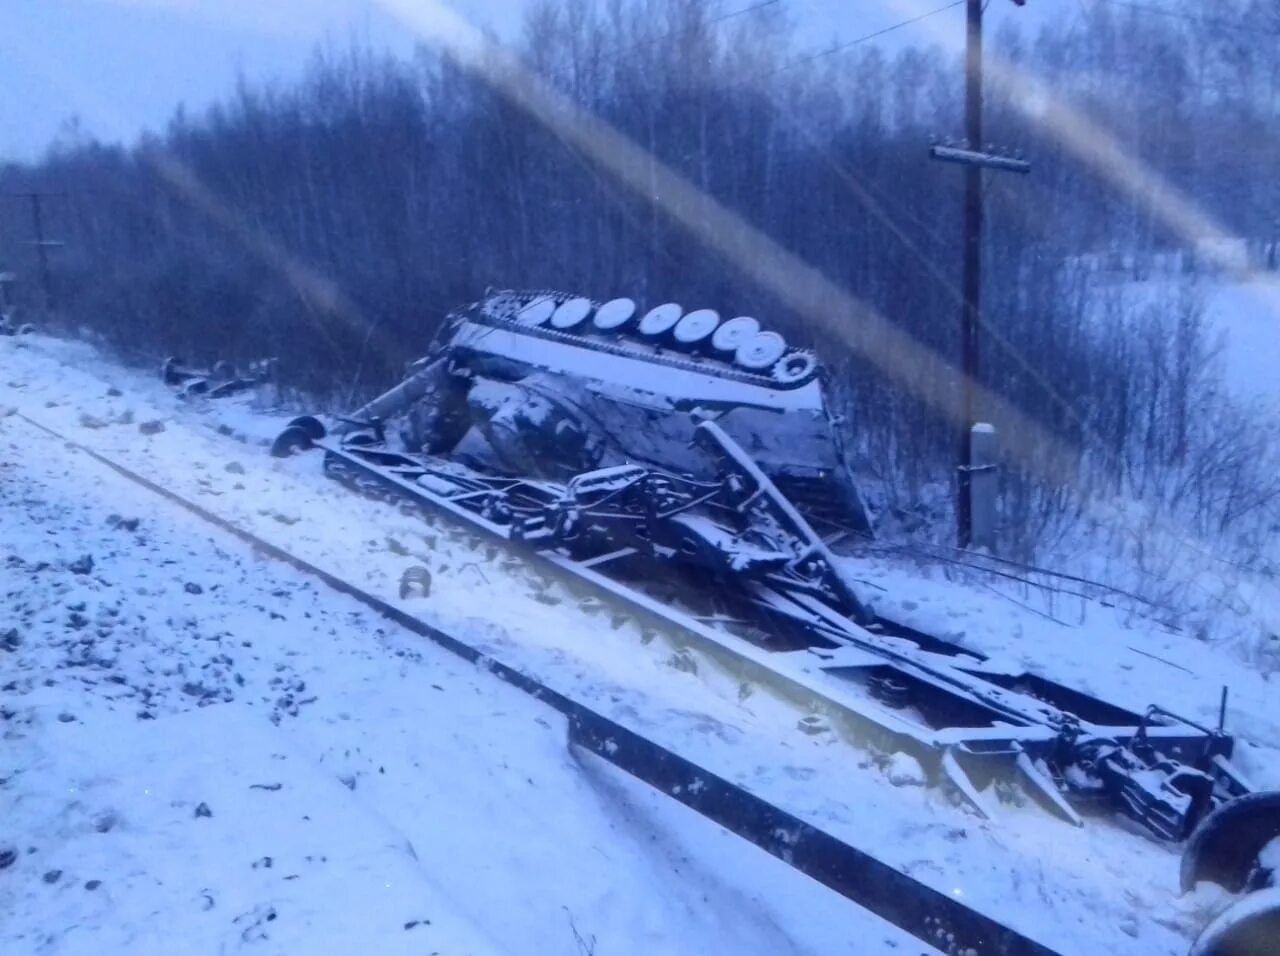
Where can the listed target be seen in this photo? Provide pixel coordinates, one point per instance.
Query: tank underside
(511, 392)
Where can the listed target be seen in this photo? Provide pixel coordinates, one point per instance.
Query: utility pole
(42, 244)
(970, 153)
(972, 281)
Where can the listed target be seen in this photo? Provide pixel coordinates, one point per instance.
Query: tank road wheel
(696, 327)
(299, 435)
(733, 333)
(571, 313)
(614, 314)
(1249, 927)
(660, 320)
(538, 312)
(1227, 846)
(760, 351)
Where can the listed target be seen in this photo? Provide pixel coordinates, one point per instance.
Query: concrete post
(984, 485)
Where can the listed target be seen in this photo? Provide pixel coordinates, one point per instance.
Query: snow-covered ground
(1199, 537)
(378, 705)
(1247, 313)
(205, 752)
(1242, 313)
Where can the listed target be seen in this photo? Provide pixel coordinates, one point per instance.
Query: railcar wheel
(1227, 846)
(291, 441)
(1249, 927)
(309, 424)
(171, 371)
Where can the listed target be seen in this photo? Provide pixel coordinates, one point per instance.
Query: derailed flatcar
(636, 450)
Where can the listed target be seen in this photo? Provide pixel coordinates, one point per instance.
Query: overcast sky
(123, 66)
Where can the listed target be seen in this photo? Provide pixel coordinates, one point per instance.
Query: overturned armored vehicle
(550, 386)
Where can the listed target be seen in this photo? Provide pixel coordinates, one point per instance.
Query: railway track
(936, 918)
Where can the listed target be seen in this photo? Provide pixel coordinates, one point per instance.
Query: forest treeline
(334, 221)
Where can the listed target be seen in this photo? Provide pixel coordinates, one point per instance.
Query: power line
(744, 11)
(848, 44)
(650, 41)
(877, 207)
(876, 204)
(880, 213)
